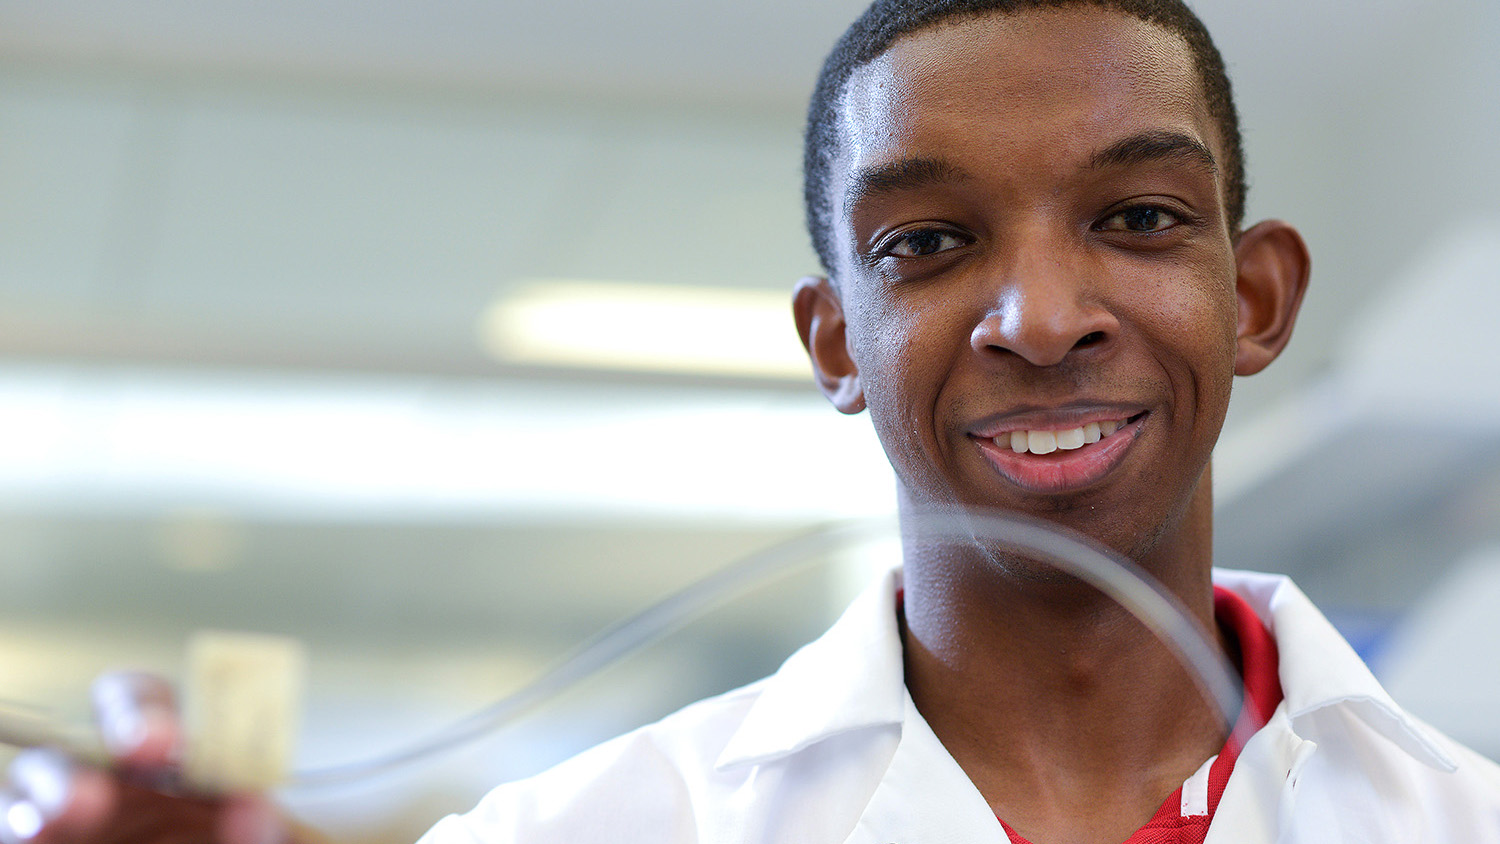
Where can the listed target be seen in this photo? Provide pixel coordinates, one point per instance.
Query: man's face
(1036, 269)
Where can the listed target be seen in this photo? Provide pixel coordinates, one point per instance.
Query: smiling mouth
(1066, 460)
(1068, 439)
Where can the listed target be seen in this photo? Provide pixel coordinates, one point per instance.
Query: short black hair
(887, 20)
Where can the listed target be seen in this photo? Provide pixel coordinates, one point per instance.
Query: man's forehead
(1116, 66)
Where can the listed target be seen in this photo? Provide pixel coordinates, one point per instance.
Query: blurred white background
(264, 269)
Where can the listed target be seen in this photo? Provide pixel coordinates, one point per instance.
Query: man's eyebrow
(906, 174)
(1154, 146)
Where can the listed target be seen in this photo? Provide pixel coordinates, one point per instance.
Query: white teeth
(1041, 442)
(1046, 442)
(1070, 439)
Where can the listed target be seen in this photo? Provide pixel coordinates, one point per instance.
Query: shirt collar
(1319, 669)
(853, 677)
(850, 678)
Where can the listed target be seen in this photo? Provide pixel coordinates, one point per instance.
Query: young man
(1040, 288)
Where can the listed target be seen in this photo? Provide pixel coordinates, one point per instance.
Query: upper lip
(1059, 418)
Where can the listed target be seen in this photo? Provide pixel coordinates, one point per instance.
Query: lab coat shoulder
(1483, 772)
(1480, 788)
(641, 786)
(1357, 785)
(791, 758)
(1340, 760)
(1466, 799)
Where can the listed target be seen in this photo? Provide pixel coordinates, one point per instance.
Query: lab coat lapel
(1258, 800)
(924, 797)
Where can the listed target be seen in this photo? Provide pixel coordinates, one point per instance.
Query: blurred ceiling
(346, 184)
(766, 50)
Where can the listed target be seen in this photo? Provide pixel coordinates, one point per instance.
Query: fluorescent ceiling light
(642, 327)
(124, 441)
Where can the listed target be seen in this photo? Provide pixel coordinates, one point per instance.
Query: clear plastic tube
(1120, 579)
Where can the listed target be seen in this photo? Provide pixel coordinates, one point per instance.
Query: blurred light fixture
(203, 453)
(646, 328)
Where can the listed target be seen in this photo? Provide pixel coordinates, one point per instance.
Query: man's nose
(1042, 311)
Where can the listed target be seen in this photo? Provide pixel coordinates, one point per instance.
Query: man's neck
(1070, 717)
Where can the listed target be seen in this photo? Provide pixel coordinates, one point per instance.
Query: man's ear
(820, 321)
(1273, 271)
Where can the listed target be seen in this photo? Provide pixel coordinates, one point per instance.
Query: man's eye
(925, 242)
(1144, 219)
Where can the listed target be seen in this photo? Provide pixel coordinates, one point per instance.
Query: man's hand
(51, 799)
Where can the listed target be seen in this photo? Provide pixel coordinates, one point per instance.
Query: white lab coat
(831, 750)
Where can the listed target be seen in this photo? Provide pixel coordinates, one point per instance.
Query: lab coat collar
(853, 677)
(1319, 669)
(925, 796)
(850, 678)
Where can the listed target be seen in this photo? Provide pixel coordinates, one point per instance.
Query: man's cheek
(1189, 301)
(881, 343)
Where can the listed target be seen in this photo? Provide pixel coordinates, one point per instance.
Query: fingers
(251, 819)
(20, 821)
(138, 719)
(52, 799)
(50, 792)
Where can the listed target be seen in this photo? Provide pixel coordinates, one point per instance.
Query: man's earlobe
(1273, 271)
(820, 322)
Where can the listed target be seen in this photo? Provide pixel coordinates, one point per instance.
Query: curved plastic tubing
(1119, 578)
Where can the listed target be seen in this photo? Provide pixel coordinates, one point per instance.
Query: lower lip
(1062, 471)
